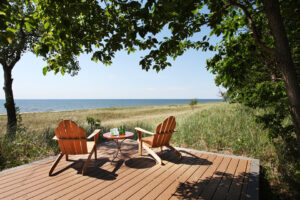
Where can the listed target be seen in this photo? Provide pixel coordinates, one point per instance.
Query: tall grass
(224, 128)
(27, 146)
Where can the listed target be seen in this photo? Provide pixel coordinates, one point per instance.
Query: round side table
(117, 142)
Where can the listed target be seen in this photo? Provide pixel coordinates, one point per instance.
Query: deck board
(197, 175)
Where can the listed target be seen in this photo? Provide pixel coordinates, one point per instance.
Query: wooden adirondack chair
(72, 140)
(160, 138)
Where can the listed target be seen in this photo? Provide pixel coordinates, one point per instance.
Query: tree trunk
(10, 102)
(286, 64)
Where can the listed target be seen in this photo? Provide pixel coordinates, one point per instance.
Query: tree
(16, 37)
(127, 24)
(58, 31)
(138, 23)
(21, 31)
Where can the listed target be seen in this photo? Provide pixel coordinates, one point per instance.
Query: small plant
(94, 123)
(193, 102)
(20, 126)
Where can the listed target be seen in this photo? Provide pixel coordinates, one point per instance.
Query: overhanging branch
(254, 30)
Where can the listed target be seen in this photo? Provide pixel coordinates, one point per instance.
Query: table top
(127, 135)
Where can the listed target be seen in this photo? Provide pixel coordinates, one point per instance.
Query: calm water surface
(46, 105)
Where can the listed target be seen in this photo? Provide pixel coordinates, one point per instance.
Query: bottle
(122, 130)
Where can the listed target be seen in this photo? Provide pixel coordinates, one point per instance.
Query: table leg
(118, 145)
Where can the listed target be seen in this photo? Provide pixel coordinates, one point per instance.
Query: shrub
(193, 102)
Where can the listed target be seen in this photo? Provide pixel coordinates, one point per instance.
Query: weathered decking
(198, 175)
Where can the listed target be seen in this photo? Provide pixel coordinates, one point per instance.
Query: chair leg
(175, 151)
(55, 163)
(95, 153)
(67, 157)
(88, 160)
(155, 156)
(161, 148)
(140, 147)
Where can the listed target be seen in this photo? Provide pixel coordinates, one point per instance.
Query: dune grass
(226, 128)
(109, 117)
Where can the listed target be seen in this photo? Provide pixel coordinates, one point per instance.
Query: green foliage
(93, 123)
(193, 102)
(251, 78)
(26, 147)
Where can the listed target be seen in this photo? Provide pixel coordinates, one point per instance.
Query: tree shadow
(268, 190)
(222, 186)
(188, 158)
(140, 163)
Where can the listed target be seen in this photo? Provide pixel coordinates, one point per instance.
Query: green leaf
(45, 70)
(46, 25)
(11, 30)
(28, 26)
(62, 71)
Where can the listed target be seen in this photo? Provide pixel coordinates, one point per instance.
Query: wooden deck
(197, 176)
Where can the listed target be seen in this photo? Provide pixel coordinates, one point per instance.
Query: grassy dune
(109, 117)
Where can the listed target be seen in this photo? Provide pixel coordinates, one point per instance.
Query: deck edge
(217, 154)
(28, 164)
(253, 181)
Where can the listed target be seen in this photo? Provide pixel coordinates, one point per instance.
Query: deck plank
(237, 183)
(226, 180)
(245, 182)
(198, 175)
(134, 184)
(186, 175)
(152, 184)
(214, 181)
(185, 190)
(138, 186)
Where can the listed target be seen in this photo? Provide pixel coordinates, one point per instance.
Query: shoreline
(118, 107)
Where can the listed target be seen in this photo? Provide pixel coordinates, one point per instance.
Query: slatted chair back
(164, 132)
(71, 138)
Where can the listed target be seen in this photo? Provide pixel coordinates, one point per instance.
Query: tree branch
(19, 48)
(254, 30)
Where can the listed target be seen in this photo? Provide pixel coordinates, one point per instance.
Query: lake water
(46, 105)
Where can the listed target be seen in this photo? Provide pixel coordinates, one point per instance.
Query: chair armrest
(95, 133)
(144, 131)
(55, 138)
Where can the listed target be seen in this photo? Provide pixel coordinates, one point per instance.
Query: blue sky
(124, 79)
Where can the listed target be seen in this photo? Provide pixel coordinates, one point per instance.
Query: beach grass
(110, 117)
